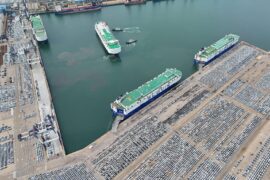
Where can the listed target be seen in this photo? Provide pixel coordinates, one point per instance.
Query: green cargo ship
(38, 28)
(133, 101)
(207, 54)
(108, 40)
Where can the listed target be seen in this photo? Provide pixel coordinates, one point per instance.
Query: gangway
(116, 122)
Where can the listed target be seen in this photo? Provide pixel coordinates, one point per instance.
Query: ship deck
(133, 96)
(108, 36)
(37, 22)
(40, 33)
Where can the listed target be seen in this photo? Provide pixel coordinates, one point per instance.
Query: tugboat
(117, 29)
(131, 41)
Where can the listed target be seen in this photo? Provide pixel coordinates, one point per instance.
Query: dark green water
(84, 80)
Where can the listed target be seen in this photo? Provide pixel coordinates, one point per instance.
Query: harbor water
(84, 80)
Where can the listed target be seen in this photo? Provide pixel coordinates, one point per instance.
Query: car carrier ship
(207, 54)
(38, 28)
(133, 101)
(108, 40)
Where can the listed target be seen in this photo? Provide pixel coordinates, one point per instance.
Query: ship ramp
(116, 122)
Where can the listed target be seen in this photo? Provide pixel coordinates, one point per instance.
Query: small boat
(117, 29)
(130, 41)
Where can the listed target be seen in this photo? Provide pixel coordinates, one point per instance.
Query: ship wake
(132, 30)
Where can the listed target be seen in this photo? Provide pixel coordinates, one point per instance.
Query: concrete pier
(29, 132)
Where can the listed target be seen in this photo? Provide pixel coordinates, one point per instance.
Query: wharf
(49, 7)
(113, 3)
(29, 132)
(214, 124)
